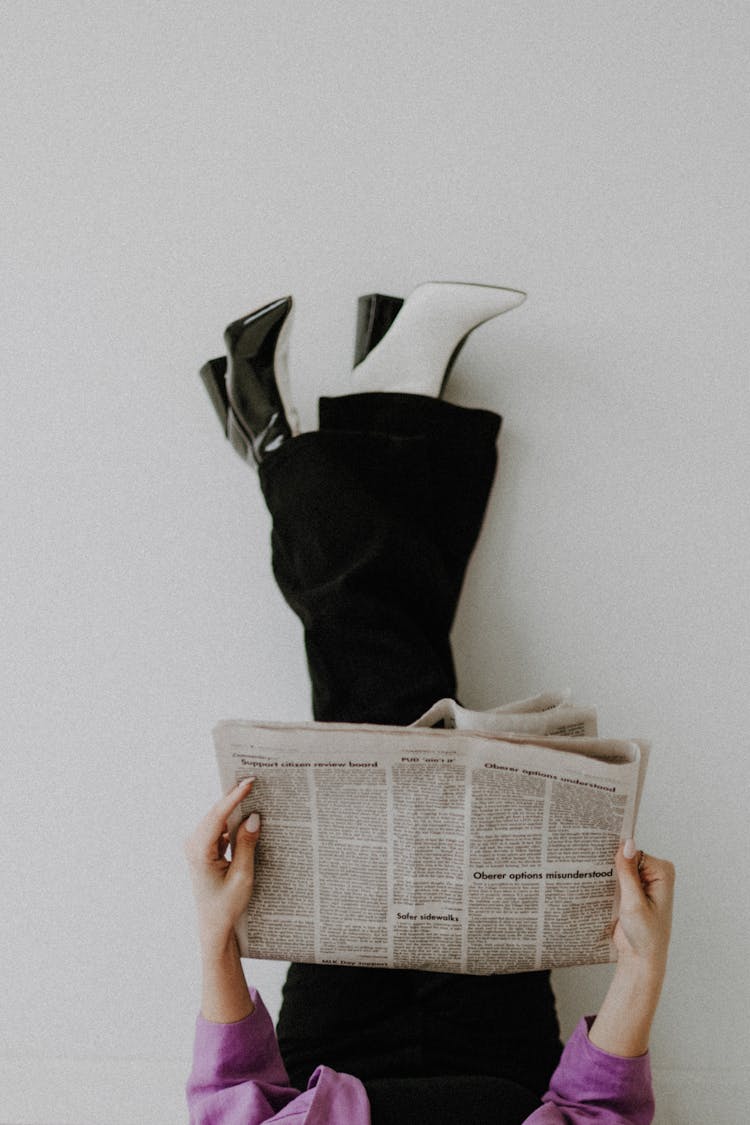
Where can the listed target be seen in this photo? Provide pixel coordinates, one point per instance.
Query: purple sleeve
(237, 1076)
(595, 1088)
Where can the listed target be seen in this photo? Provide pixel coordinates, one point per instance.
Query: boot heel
(214, 379)
(456, 353)
(376, 313)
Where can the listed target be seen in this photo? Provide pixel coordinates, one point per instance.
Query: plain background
(166, 169)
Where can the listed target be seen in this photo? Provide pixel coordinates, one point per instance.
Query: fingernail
(246, 781)
(252, 824)
(629, 850)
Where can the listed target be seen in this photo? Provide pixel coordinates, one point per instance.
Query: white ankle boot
(419, 349)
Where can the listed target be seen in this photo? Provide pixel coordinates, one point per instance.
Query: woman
(375, 516)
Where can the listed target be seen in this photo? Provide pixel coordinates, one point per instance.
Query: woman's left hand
(222, 888)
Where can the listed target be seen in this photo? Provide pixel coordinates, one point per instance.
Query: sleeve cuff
(589, 1076)
(227, 1053)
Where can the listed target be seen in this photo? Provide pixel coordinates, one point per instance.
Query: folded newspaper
(470, 842)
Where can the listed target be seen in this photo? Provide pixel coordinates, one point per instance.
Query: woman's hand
(222, 888)
(641, 936)
(644, 925)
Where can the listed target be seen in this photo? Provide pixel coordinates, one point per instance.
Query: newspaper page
(438, 849)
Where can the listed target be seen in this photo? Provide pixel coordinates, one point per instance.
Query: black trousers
(375, 517)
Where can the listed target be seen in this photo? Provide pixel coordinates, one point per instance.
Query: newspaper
(483, 845)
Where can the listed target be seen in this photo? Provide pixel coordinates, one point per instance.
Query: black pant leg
(375, 517)
(367, 582)
(448, 500)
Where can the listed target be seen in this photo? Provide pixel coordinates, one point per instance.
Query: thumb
(626, 864)
(243, 848)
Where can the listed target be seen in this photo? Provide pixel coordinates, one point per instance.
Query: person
(375, 516)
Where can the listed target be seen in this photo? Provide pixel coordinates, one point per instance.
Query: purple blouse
(238, 1078)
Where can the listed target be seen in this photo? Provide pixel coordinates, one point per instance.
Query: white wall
(169, 167)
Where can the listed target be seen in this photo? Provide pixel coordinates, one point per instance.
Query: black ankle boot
(253, 407)
(376, 313)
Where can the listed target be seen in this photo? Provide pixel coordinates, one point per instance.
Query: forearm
(225, 996)
(623, 1025)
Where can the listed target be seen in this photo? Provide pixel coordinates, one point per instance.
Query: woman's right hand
(644, 924)
(641, 935)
